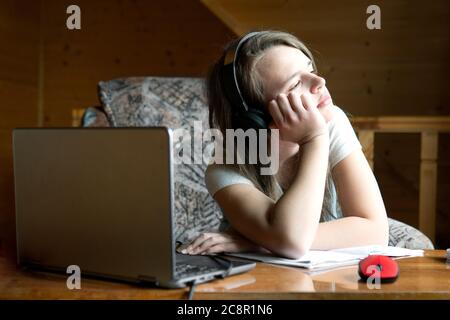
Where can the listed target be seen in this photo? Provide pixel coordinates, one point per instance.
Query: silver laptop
(102, 199)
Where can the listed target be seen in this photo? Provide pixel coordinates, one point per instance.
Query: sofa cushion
(174, 103)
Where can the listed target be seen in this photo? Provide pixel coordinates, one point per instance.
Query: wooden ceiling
(370, 72)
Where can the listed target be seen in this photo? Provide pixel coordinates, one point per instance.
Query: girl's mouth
(324, 101)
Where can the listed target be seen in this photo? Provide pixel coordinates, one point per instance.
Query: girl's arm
(365, 220)
(287, 227)
(294, 218)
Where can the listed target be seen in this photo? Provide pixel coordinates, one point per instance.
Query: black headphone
(244, 116)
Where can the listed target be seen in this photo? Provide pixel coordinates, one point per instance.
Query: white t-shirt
(343, 141)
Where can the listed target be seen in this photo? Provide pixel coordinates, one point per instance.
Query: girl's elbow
(382, 234)
(293, 248)
(291, 253)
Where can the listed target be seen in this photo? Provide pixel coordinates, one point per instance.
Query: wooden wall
(47, 70)
(120, 39)
(19, 37)
(401, 69)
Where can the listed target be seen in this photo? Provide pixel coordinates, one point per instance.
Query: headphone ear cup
(251, 119)
(257, 117)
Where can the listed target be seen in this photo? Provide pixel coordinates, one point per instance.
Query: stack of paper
(316, 260)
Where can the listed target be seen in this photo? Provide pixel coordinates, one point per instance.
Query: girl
(324, 194)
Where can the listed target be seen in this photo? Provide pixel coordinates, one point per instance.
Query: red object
(377, 266)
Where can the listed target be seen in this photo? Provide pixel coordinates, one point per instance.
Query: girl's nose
(318, 84)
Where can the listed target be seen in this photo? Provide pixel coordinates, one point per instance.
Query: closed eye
(299, 82)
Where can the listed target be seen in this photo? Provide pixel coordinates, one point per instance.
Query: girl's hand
(215, 242)
(297, 118)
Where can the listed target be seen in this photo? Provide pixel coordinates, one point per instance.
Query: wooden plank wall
(19, 37)
(42, 81)
(119, 39)
(46, 70)
(401, 69)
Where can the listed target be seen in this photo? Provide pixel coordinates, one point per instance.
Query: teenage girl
(324, 194)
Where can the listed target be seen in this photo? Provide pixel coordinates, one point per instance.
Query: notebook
(318, 260)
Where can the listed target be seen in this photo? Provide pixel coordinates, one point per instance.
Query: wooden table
(425, 277)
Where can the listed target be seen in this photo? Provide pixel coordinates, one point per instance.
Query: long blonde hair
(252, 89)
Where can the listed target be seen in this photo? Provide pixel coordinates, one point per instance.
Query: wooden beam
(428, 183)
(402, 124)
(217, 9)
(77, 114)
(367, 140)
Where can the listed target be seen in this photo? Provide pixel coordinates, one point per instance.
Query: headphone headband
(230, 82)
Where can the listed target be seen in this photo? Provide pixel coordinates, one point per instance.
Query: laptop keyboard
(184, 269)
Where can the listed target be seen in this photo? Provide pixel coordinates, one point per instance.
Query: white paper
(321, 260)
(381, 250)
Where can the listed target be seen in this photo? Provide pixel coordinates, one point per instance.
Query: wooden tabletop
(425, 277)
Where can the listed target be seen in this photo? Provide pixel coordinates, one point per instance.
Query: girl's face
(284, 69)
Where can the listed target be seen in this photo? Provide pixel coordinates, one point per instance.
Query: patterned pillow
(94, 117)
(405, 236)
(174, 103)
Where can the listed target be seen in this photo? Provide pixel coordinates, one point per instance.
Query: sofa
(177, 102)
